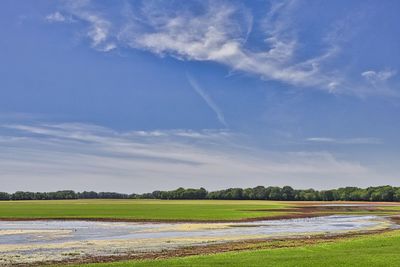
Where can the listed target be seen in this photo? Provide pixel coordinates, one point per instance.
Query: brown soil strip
(396, 219)
(369, 203)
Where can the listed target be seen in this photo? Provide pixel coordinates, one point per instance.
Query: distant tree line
(378, 193)
(64, 194)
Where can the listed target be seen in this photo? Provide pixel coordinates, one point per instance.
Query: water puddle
(34, 241)
(369, 205)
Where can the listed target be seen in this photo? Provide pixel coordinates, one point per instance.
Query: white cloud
(56, 17)
(378, 82)
(219, 31)
(349, 141)
(98, 32)
(79, 156)
(99, 28)
(218, 34)
(374, 76)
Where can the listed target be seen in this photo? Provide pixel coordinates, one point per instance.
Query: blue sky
(134, 96)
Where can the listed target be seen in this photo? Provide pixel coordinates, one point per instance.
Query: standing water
(35, 241)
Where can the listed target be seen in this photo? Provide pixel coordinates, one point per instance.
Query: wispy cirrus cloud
(378, 79)
(80, 156)
(215, 31)
(219, 31)
(56, 17)
(99, 28)
(219, 34)
(346, 141)
(383, 75)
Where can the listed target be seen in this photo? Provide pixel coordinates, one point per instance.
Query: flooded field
(370, 205)
(36, 241)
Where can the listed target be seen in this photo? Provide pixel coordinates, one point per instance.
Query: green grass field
(160, 209)
(142, 209)
(375, 250)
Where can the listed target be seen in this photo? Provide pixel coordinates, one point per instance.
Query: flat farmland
(208, 210)
(138, 232)
(181, 210)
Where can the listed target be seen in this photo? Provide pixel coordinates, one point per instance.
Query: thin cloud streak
(348, 141)
(197, 88)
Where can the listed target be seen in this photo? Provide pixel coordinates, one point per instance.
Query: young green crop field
(135, 209)
(142, 209)
(374, 250)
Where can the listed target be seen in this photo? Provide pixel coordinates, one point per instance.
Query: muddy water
(35, 241)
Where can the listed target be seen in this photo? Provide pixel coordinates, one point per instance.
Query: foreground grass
(142, 209)
(374, 250)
